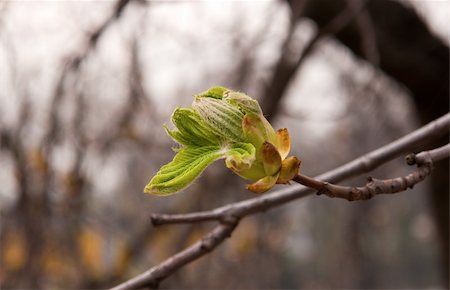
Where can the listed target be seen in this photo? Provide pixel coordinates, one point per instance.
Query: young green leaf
(183, 169)
(224, 124)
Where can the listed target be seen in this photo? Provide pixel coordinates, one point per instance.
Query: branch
(137, 100)
(427, 156)
(366, 30)
(155, 275)
(339, 22)
(229, 215)
(424, 161)
(72, 65)
(286, 68)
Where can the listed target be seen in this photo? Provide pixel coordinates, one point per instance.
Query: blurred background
(85, 87)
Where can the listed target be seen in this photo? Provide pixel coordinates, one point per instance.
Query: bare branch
(137, 100)
(286, 69)
(155, 275)
(424, 161)
(372, 188)
(72, 65)
(429, 156)
(366, 29)
(230, 215)
(161, 219)
(339, 22)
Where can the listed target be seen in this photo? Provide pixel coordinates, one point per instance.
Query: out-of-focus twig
(286, 68)
(366, 29)
(339, 22)
(75, 180)
(72, 65)
(137, 101)
(35, 184)
(229, 215)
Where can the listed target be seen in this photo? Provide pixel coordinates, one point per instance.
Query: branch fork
(228, 216)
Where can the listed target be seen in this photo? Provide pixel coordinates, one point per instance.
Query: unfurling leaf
(224, 124)
(184, 168)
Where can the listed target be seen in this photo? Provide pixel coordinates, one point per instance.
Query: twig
(336, 25)
(72, 65)
(230, 215)
(366, 30)
(286, 68)
(424, 161)
(372, 188)
(155, 275)
(161, 219)
(429, 156)
(137, 100)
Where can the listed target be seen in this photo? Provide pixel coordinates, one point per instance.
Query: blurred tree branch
(229, 216)
(404, 44)
(33, 212)
(288, 65)
(366, 29)
(137, 100)
(72, 66)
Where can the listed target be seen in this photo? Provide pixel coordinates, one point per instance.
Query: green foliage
(222, 123)
(188, 163)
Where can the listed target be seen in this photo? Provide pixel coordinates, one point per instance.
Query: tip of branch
(410, 159)
(155, 219)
